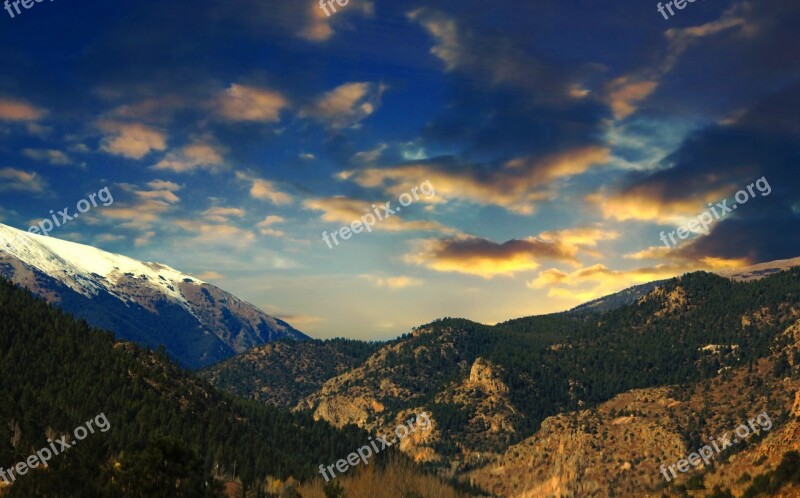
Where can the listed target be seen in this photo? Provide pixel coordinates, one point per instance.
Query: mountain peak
(147, 302)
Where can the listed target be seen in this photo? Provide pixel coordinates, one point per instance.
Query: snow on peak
(79, 266)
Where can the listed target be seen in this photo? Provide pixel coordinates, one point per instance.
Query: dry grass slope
(399, 479)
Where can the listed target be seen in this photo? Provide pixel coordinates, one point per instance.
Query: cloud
(131, 140)
(346, 105)
(149, 209)
(52, 156)
(249, 103)
(219, 234)
(144, 238)
(140, 216)
(265, 226)
(518, 186)
(624, 93)
(219, 214)
(17, 179)
(346, 210)
(198, 155)
(159, 190)
(265, 190)
(400, 282)
(653, 201)
(472, 255)
(163, 185)
(108, 237)
(372, 155)
(18, 110)
(210, 275)
(298, 320)
(485, 258)
(596, 281)
(495, 60)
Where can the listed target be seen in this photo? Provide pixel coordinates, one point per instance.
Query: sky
(550, 143)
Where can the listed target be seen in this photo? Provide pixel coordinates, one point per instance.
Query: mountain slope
(283, 372)
(490, 387)
(149, 303)
(59, 372)
(617, 447)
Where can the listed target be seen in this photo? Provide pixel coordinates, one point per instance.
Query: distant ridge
(759, 270)
(632, 294)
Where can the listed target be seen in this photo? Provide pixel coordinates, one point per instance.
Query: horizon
(416, 326)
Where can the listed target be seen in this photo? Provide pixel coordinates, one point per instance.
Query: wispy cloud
(17, 179)
(264, 190)
(518, 186)
(346, 105)
(52, 156)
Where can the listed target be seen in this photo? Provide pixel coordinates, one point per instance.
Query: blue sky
(561, 138)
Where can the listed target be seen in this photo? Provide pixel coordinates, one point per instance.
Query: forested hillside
(688, 329)
(168, 430)
(282, 373)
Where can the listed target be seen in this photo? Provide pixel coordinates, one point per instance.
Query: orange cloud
(485, 258)
(400, 282)
(597, 281)
(131, 140)
(655, 202)
(248, 103)
(518, 186)
(625, 92)
(346, 105)
(52, 156)
(346, 210)
(17, 179)
(265, 226)
(195, 156)
(17, 110)
(265, 190)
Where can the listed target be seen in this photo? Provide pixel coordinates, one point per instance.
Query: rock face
(485, 396)
(148, 303)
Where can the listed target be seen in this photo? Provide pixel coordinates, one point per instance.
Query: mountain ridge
(148, 303)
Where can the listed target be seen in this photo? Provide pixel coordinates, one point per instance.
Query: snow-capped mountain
(149, 303)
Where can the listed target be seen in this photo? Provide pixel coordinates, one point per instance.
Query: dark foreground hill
(170, 434)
